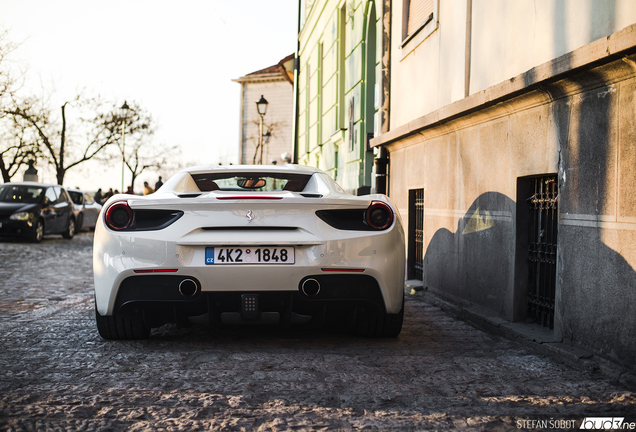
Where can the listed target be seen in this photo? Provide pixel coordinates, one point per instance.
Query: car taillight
(379, 215)
(119, 216)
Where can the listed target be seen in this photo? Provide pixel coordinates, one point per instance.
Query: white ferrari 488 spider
(249, 244)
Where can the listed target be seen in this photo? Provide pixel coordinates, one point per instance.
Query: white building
(275, 84)
(510, 138)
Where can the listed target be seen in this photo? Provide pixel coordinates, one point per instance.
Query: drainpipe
(296, 90)
(467, 53)
(382, 158)
(381, 163)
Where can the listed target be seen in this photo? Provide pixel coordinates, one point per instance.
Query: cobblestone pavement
(56, 373)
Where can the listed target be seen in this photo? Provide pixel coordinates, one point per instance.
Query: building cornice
(272, 77)
(606, 50)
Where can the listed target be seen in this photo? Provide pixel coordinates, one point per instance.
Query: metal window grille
(542, 250)
(416, 234)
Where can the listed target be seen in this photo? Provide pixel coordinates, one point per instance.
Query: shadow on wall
(475, 263)
(596, 294)
(601, 313)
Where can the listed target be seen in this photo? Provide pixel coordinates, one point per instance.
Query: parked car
(31, 210)
(249, 244)
(85, 208)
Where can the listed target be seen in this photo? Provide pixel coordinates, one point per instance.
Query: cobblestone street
(57, 373)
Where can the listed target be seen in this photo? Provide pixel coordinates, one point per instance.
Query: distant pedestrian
(99, 199)
(158, 184)
(147, 189)
(129, 191)
(108, 194)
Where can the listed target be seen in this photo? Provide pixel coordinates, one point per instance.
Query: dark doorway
(540, 222)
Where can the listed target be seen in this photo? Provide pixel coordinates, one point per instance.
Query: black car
(30, 210)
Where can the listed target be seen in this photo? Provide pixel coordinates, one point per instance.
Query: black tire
(393, 323)
(120, 328)
(38, 232)
(80, 221)
(70, 229)
(383, 325)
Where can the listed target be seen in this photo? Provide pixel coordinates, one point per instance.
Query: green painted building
(338, 97)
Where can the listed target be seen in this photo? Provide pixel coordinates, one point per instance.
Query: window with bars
(543, 229)
(416, 234)
(416, 14)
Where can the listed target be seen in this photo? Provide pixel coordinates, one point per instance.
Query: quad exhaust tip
(188, 288)
(310, 287)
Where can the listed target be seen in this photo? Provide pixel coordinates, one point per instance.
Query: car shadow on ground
(272, 335)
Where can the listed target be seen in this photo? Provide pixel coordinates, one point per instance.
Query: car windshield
(251, 181)
(20, 194)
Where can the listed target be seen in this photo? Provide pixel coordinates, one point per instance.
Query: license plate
(249, 255)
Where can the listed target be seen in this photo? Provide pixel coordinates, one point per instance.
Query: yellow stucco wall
(332, 74)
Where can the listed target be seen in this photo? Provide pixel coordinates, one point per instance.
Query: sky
(175, 58)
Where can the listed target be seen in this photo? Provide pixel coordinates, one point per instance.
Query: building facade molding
(617, 46)
(477, 163)
(260, 79)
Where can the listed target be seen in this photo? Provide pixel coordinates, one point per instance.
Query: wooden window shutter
(417, 13)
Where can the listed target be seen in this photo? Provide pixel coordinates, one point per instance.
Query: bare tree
(81, 129)
(144, 155)
(269, 128)
(7, 78)
(96, 125)
(139, 152)
(17, 145)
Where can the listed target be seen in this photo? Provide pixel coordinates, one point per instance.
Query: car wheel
(383, 325)
(70, 229)
(80, 221)
(120, 328)
(393, 323)
(38, 231)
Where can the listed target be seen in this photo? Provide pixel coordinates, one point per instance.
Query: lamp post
(123, 111)
(261, 107)
(266, 138)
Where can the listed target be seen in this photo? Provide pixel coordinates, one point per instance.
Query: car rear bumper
(322, 251)
(163, 299)
(387, 274)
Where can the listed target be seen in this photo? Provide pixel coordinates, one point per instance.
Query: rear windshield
(20, 194)
(76, 197)
(258, 182)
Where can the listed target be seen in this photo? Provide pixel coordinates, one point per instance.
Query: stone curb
(534, 337)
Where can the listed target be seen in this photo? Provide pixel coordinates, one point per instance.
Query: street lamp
(266, 138)
(123, 111)
(261, 107)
